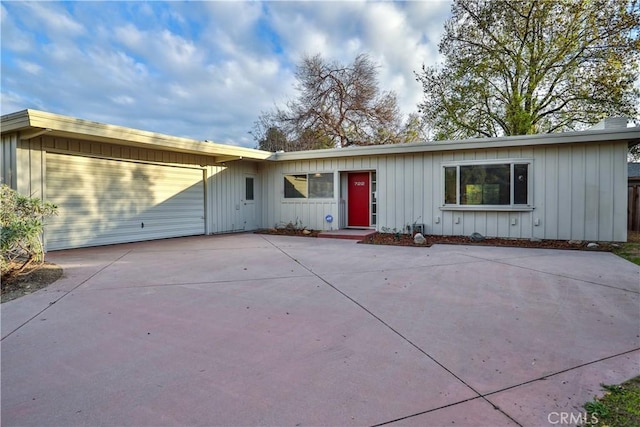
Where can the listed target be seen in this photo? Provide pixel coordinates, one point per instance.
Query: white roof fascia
(631, 134)
(59, 125)
(14, 121)
(34, 122)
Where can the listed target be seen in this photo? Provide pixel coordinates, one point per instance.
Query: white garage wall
(225, 196)
(224, 186)
(8, 150)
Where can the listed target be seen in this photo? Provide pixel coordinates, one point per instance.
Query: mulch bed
(29, 281)
(407, 240)
(289, 232)
(393, 239)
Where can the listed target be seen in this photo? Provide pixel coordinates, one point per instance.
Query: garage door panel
(106, 201)
(97, 236)
(125, 201)
(125, 226)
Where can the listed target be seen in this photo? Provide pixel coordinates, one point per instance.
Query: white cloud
(165, 51)
(317, 27)
(397, 43)
(12, 102)
(116, 66)
(54, 18)
(393, 34)
(29, 67)
(129, 36)
(200, 69)
(178, 52)
(123, 100)
(13, 38)
(60, 53)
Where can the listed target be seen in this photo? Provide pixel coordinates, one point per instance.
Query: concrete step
(347, 233)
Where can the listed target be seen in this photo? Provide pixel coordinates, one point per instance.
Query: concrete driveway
(241, 330)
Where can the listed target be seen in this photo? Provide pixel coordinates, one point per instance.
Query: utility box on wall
(418, 228)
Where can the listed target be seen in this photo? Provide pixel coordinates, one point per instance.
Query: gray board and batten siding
(577, 189)
(108, 179)
(633, 197)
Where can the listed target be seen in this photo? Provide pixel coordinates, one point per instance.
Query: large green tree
(337, 105)
(532, 66)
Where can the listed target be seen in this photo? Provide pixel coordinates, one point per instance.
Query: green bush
(21, 219)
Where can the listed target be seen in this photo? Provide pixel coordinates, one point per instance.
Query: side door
(249, 202)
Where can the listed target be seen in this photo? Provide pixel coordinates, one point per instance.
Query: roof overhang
(33, 123)
(631, 135)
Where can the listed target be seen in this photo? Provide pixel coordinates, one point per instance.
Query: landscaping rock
(306, 232)
(592, 245)
(419, 239)
(476, 237)
(575, 242)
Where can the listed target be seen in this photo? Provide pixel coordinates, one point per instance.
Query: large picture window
(486, 184)
(312, 186)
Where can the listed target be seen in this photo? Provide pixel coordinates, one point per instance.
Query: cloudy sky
(202, 70)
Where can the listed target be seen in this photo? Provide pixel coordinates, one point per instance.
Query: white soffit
(32, 123)
(631, 135)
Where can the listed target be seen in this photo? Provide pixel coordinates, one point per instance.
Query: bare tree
(268, 135)
(337, 106)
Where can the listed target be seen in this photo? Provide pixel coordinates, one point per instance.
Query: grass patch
(630, 250)
(620, 405)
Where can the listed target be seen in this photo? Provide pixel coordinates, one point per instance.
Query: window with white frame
(308, 186)
(501, 184)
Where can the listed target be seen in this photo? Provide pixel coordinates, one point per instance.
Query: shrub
(21, 222)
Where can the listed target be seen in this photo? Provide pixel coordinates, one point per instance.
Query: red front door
(358, 200)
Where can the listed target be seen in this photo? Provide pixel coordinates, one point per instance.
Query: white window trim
(308, 199)
(505, 208)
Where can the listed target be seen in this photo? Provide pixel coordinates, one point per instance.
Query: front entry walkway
(249, 329)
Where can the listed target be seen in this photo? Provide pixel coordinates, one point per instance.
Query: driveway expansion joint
(210, 282)
(398, 333)
(545, 377)
(498, 261)
(66, 293)
(288, 378)
(486, 396)
(497, 408)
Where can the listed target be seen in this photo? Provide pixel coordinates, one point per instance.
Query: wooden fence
(633, 207)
